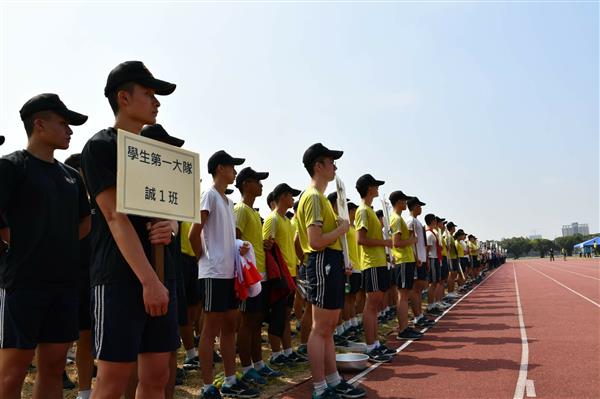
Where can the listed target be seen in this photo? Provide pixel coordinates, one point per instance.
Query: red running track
(475, 350)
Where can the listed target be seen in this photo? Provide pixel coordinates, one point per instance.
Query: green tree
(542, 245)
(516, 246)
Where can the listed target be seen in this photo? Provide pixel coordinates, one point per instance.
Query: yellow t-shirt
(367, 219)
(314, 208)
(451, 244)
(247, 220)
(459, 249)
(353, 248)
(184, 238)
(473, 249)
(442, 242)
(404, 254)
(284, 237)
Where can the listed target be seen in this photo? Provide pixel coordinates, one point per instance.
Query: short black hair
(112, 96)
(28, 121)
(74, 161)
(310, 168)
(429, 218)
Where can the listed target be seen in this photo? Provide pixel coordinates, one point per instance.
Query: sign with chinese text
(156, 179)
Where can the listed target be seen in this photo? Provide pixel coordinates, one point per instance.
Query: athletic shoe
(239, 390)
(424, 322)
(253, 377)
(447, 304)
(302, 350)
(296, 358)
(268, 372)
(385, 350)
(328, 394)
(434, 311)
(377, 357)
(408, 334)
(192, 364)
(340, 341)
(66, 381)
(280, 361)
(216, 357)
(345, 390)
(210, 393)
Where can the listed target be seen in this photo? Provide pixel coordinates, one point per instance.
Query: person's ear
(123, 98)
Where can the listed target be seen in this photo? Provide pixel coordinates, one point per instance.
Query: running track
(488, 347)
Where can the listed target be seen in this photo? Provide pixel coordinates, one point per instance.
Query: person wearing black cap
(463, 255)
(417, 229)
(452, 258)
(135, 315)
(474, 255)
(404, 259)
(375, 274)
(319, 231)
(1, 140)
(214, 242)
(249, 228)
(46, 209)
(444, 270)
(278, 227)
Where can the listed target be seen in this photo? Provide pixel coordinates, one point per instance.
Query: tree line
(520, 246)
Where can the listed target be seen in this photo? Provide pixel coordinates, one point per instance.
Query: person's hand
(389, 243)
(343, 225)
(156, 298)
(268, 244)
(419, 263)
(160, 232)
(244, 248)
(413, 239)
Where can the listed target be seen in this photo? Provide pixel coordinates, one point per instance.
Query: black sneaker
(377, 357)
(239, 390)
(302, 351)
(328, 394)
(345, 390)
(210, 393)
(412, 330)
(280, 361)
(66, 381)
(409, 334)
(423, 322)
(435, 311)
(296, 358)
(192, 364)
(385, 350)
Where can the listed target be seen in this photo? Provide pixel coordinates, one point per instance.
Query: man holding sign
(135, 317)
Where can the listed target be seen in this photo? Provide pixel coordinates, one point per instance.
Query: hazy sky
(488, 111)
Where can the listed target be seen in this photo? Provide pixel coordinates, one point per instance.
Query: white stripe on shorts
(98, 318)
(2, 307)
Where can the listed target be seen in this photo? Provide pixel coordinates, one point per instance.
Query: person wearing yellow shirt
(404, 261)
(445, 270)
(278, 227)
(319, 231)
(452, 259)
(463, 255)
(474, 254)
(375, 273)
(249, 228)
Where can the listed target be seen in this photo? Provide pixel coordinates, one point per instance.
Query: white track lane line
(568, 271)
(562, 285)
(362, 374)
(522, 380)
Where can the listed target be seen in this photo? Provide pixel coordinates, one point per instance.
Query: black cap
(222, 158)
(136, 71)
(460, 232)
(1, 140)
(439, 219)
(451, 225)
(379, 213)
(249, 173)
(414, 201)
(398, 196)
(157, 132)
(282, 189)
(51, 102)
(470, 236)
(429, 218)
(332, 197)
(228, 191)
(319, 150)
(352, 205)
(366, 181)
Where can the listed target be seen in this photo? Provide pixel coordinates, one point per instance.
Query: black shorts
(393, 273)
(31, 316)
(464, 263)
(326, 279)
(217, 294)
(85, 309)
(445, 268)
(355, 280)
(255, 304)
(435, 270)
(421, 272)
(454, 265)
(123, 329)
(189, 267)
(405, 275)
(376, 279)
(474, 261)
(182, 318)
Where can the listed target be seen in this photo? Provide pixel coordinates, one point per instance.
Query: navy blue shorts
(435, 270)
(182, 318)
(255, 304)
(474, 261)
(189, 267)
(123, 329)
(464, 263)
(453, 265)
(405, 275)
(217, 294)
(31, 316)
(376, 279)
(421, 272)
(355, 282)
(326, 279)
(85, 308)
(445, 269)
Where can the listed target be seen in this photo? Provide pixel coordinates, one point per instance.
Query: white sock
(259, 365)
(191, 353)
(84, 394)
(339, 330)
(247, 368)
(333, 379)
(275, 355)
(377, 344)
(287, 351)
(230, 380)
(320, 387)
(371, 347)
(347, 324)
(354, 322)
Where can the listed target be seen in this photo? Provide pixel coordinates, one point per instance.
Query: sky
(487, 111)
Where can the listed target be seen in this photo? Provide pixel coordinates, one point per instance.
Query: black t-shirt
(43, 204)
(99, 165)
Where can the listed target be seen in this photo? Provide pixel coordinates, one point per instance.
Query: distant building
(575, 228)
(535, 237)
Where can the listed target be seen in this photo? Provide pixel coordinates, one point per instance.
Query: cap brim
(334, 154)
(262, 175)
(422, 203)
(379, 183)
(236, 161)
(73, 118)
(295, 193)
(161, 87)
(175, 141)
(228, 191)
(2, 140)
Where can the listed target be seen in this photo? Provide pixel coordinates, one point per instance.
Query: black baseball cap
(222, 158)
(157, 132)
(415, 201)
(1, 140)
(398, 196)
(460, 232)
(352, 205)
(51, 102)
(430, 217)
(249, 173)
(332, 197)
(283, 188)
(439, 219)
(366, 181)
(319, 150)
(136, 71)
(379, 213)
(451, 225)
(228, 191)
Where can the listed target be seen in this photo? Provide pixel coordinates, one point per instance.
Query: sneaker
(253, 377)
(435, 311)
(345, 390)
(239, 390)
(216, 357)
(268, 372)
(409, 334)
(302, 350)
(340, 341)
(447, 304)
(385, 350)
(280, 361)
(412, 330)
(66, 381)
(424, 322)
(191, 364)
(296, 358)
(329, 394)
(210, 393)
(377, 357)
